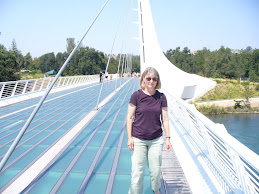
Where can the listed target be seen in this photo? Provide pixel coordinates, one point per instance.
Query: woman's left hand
(168, 144)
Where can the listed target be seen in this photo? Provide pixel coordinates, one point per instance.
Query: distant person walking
(145, 140)
(101, 74)
(106, 75)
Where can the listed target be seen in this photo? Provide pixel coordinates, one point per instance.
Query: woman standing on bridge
(144, 129)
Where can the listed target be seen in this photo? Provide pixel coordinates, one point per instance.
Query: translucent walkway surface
(96, 160)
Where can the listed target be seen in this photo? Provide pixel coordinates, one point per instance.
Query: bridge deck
(172, 174)
(93, 159)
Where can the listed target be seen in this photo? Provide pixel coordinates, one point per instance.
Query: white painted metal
(14, 88)
(223, 164)
(235, 167)
(173, 79)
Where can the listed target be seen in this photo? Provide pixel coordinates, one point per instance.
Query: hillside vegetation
(229, 89)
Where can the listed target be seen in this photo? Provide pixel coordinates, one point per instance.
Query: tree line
(85, 61)
(222, 63)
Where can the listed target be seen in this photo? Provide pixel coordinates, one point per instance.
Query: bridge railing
(14, 88)
(235, 166)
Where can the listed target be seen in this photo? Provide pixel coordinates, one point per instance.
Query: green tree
(136, 64)
(254, 69)
(35, 64)
(8, 66)
(70, 45)
(248, 49)
(18, 55)
(47, 62)
(247, 92)
(60, 60)
(28, 61)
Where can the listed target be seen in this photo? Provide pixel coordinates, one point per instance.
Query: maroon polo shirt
(147, 124)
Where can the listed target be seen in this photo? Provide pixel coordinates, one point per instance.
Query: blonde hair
(151, 70)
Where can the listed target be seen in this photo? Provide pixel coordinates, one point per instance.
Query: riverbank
(228, 106)
(254, 102)
(229, 97)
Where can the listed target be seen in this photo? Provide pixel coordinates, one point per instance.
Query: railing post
(84, 79)
(2, 90)
(49, 83)
(70, 81)
(14, 89)
(25, 87)
(42, 84)
(60, 78)
(73, 81)
(64, 81)
(240, 171)
(81, 78)
(35, 82)
(76, 79)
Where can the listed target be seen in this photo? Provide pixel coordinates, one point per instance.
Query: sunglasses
(154, 79)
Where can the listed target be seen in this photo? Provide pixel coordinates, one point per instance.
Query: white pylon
(174, 80)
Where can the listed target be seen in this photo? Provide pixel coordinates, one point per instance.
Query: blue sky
(42, 26)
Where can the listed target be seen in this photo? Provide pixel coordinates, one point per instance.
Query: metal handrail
(14, 88)
(235, 166)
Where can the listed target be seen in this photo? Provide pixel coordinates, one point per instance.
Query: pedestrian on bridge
(101, 75)
(146, 109)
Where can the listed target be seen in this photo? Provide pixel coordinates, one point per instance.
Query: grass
(32, 75)
(226, 89)
(214, 109)
(229, 89)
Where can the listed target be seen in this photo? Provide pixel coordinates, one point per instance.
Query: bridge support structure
(181, 84)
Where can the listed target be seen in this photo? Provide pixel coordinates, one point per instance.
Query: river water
(244, 127)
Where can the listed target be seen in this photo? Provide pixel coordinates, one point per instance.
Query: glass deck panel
(53, 137)
(21, 163)
(105, 125)
(36, 138)
(124, 164)
(99, 178)
(113, 139)
(80, 140)
(85, 160)
(97, 139)
(5, 134)
(97, 183)
(121, 184)
(13, 123)
(56, 124)
(92, 125)
(5, 140)
(18, 152)
(72, 183)
(4, 149)
(6, 176)
(64, 160)
(118, 123)
(105, 161)
(46, 183)
(125, 140)
(100, 115)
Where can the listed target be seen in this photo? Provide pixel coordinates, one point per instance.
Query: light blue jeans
(152, 150)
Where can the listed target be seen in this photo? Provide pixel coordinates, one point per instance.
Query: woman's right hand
(130, 144)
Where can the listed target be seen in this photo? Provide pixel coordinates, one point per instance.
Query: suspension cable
(107, 65)
(122, 45)
(21, 133)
